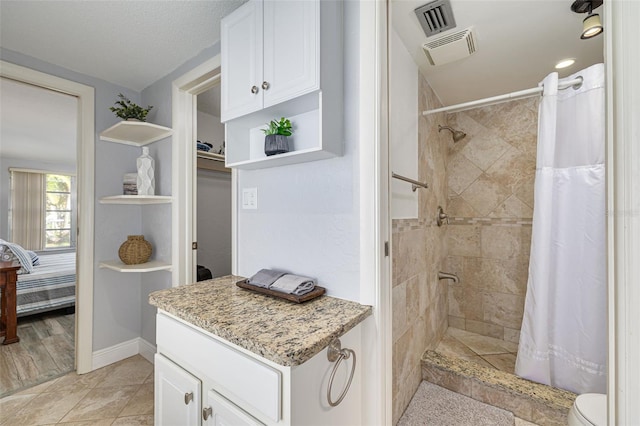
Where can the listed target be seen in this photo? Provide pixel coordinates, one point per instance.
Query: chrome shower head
(456, 134)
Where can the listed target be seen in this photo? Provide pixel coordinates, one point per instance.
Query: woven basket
(135, 250)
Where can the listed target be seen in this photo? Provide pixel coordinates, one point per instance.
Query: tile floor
(119, 394)
(483, 350)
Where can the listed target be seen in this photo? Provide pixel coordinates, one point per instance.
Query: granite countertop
(283, 332)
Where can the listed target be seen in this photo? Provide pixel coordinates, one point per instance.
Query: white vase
(146, 179)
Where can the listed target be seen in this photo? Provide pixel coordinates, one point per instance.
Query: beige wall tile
(505, 242)
(464, 240)
(461, 173)
(512, 207)
(525, 191)
(512, 169)
(518, 405)
(473, 303)
(447, 379)
(399, 301)
(512, 335)
(484, 328)
(458, 207)
(456, 300)
(485, 194)
(409, 255)
(456, 322)
(484, 148)
(503, 309)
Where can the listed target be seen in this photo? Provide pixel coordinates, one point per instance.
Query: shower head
(456, 134)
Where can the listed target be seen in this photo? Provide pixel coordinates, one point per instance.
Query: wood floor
(46, 350)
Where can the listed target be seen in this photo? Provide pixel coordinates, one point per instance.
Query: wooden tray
(316, 292)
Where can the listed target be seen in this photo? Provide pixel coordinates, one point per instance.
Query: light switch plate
(249, 198)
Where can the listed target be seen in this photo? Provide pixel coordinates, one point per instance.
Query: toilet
(589, 409)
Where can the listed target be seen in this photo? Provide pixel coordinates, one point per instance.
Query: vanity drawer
(242, 379)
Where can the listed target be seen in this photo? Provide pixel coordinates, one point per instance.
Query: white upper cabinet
(282, 58)
(241, 39)
(270, 54)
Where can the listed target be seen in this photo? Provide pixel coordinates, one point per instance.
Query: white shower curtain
(563, 338)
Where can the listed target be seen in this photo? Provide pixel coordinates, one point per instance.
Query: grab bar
(414, 183)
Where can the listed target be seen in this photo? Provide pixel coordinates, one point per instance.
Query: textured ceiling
(134, 43)
(129, 43)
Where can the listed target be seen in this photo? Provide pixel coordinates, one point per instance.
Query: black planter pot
(275, 144)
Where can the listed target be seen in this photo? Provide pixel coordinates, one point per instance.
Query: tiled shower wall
(490, 179)
(419, 252)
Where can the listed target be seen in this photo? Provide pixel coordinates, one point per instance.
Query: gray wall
(116, 296)
(157, 221)
(307, 219)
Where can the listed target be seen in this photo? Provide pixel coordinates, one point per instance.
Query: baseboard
(121, 351)
(146, 350)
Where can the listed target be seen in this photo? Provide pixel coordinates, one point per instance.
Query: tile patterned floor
(119, 394)
(483, 350)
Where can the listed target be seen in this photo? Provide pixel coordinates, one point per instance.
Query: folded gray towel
(293, 284)
(265, 277)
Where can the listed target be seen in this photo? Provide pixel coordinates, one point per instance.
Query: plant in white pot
(276, 136)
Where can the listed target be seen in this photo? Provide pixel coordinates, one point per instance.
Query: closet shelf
(136, 199)
(151, 266)
(135, 133)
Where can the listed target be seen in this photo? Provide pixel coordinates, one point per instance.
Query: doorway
(212, 200)
(184, 106)
(85, 141)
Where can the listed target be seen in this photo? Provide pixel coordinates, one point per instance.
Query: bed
(51, 285)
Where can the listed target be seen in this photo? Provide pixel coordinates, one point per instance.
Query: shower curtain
(563, 338)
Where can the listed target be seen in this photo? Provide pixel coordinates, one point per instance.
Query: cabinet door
(177, 395)
(241, 61)
(291, 49)
(219, 411)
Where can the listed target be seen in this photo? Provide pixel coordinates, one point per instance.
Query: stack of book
(129, 184)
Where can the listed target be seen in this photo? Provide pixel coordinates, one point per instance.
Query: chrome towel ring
(336, 354)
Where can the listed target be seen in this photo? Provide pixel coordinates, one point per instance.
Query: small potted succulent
(276, 134)
(128, 110)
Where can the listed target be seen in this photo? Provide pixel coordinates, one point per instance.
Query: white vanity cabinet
(270, 54)
(232, 386)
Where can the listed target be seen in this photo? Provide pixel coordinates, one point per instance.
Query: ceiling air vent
(451, 47)
(436, 17)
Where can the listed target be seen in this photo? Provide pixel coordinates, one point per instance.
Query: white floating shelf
(135, 133)
(136, 199)
(154, 265)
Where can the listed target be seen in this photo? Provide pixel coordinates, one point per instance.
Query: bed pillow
(35, 259)
(10, 251)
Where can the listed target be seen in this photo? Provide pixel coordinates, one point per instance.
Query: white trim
(146, 350)
(622, 59)
(374, 214)
(184, 91)
(86, 198)
(124, 350)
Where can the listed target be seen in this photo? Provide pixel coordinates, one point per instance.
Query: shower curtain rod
(527, 93)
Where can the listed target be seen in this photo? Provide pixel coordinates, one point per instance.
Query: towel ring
(336, 354)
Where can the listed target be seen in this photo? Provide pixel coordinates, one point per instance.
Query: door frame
(85, 203)
(185, 90)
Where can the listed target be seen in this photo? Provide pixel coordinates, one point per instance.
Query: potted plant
(276, 134)
(128, 110)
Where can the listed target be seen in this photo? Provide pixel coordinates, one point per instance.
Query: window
(42, 208)
(59, 214)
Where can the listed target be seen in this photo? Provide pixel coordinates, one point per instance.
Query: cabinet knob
(188, 397)
(254, 89)
(265, 85)
(206, 412)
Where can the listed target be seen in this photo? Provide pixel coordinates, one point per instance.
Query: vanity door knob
(206, 412)
(265, 85)
(254, 89)
(188, 397)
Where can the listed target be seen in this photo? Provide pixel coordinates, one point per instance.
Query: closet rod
(575, 83)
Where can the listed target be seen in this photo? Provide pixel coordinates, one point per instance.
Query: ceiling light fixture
(565, 63)
(591, 26)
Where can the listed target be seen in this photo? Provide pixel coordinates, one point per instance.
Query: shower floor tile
(483, 350)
